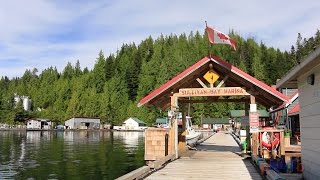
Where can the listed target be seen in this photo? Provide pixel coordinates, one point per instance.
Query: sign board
(254, 122)
(224, 91)
(254, 119)
(254, 129)
(211, 76)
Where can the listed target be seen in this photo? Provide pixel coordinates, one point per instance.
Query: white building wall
(131, 124)
(77, 123)
(33, 124)
(69, 123)
(309, 97)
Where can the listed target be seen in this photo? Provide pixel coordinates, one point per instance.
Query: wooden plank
(159, 163)
(223, 80)
(309, 133)
(294, 148)
(272, 175)
(201, 83)
(310, 110)
(291, 154)
(282, 145)
(144, 170)
(219, 153)
(310, 121)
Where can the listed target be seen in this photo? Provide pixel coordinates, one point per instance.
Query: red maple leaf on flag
(222, 36)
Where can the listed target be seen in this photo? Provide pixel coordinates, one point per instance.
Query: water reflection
(69, 154)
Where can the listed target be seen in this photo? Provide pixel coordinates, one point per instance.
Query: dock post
(166, 139)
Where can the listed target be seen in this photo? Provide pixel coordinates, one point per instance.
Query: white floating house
(132, 124)
(306, 77)
(82, 123)
(39, 124)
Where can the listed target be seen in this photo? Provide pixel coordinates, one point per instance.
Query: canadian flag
(217, 37)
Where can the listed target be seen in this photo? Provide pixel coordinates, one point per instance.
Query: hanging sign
(254, 122)
(224, 91)
(211, 76)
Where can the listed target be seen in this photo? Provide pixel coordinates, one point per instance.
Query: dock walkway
(216, 158)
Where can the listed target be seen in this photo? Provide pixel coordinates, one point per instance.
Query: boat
(192, 136)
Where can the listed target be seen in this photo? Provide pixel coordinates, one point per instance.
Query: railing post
(166, 142)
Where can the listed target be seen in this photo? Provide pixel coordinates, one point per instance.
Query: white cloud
(41, 33)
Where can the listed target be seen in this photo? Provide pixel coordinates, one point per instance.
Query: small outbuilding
(82, 123)
(215, 123)
(39, 124)
(131, 123)
(161, 122)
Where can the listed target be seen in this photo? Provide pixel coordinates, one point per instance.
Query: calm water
(69, 154)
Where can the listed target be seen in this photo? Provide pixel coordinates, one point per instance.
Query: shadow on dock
(216, 158)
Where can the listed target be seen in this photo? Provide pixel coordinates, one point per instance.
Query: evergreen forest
(115, 84)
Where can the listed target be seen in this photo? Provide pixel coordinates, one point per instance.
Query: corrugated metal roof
(209, 120)
(138, 120)
(161, 120)
(241, 113)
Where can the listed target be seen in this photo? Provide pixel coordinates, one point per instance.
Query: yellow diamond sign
(211, 76)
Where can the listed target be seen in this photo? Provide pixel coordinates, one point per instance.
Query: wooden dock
(219, 157)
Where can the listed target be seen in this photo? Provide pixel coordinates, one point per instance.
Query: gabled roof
(307, 63)
(294, 97)
(241, 113)
(264, 94)
(137, 120)
(295, 110)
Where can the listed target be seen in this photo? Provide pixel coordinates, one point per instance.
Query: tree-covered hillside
(117, 81)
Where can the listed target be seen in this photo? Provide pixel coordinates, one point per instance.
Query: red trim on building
(220, 62)
(295, 110)
(252, 79)
(172, 81)
(282, 106)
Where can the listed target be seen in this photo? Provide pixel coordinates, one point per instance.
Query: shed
(82, 123)
(209, 123)
(161, 122)
(39, 124)
(133, 123)
(241, 113)
(306, 77)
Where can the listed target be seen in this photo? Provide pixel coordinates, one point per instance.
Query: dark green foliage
(116, 83)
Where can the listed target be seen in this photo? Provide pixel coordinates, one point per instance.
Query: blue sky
(43, 33)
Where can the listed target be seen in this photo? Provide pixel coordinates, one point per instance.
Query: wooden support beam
(183, 133)
(201, 83)
(252, 99)
(223, 80)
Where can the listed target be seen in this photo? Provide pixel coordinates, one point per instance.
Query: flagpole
(210, 45)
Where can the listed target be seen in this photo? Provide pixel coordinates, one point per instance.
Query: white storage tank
(26, 103)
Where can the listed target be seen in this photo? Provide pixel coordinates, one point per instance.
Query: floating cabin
(131, 124)
(82, 123)
(39, 124)
(215, 123)
(306, 78)
(239, 118)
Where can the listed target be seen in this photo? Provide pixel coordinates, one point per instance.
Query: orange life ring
(265, 140)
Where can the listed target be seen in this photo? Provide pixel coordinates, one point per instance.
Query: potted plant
(287, 132)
